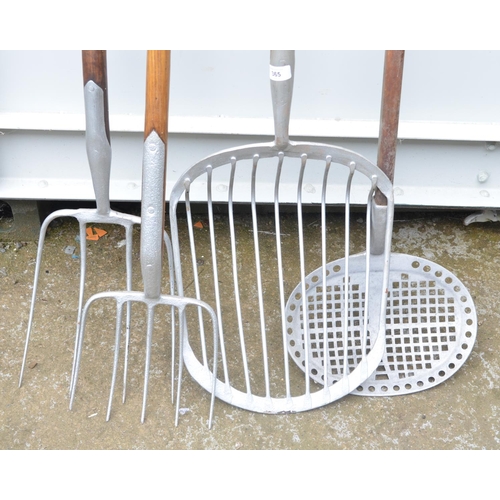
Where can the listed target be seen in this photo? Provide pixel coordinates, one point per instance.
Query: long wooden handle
(157, 93)
(389, 114)
(154, 170)
(94, 64)
(389, 118)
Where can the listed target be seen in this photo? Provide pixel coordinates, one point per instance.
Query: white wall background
(450, 118)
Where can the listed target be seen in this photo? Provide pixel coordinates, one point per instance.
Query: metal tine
(194, 263)
(352, 169)
(119, 309)
(128, 252)
(196, 281)
(173, 292)
(232, 234)
(302, 267)
(326, 358)
(281, 279)
(255, 228)
(213, 250)
(149, 341)
(83, 268)
(182, 302)
(182, 328)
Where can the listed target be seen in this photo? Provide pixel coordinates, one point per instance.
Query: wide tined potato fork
(152, 229)
(247, 273)
(98, 146)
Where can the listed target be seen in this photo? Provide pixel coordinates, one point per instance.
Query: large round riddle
(431, 325)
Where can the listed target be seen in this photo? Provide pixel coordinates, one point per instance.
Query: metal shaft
(281, 75)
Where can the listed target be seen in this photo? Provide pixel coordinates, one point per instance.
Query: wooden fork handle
(157, 93)
(94, 64)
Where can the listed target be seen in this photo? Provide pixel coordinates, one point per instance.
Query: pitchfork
(99, 157)
(152, 215)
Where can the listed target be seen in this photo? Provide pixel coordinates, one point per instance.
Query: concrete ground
(461, 413)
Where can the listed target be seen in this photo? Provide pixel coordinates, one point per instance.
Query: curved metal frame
(377, 287)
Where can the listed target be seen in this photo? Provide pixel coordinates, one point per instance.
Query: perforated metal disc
(431, 326)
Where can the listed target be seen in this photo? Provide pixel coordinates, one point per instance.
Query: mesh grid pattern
(421, 326)
(431, 327)
(335, 302)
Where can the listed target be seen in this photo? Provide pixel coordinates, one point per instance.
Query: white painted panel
(450, 115)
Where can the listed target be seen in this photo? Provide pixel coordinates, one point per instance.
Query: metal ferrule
(98, 146)
(281, 93)
(379, 214)
(152, 213)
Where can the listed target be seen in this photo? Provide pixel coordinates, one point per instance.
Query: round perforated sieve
(431, 325)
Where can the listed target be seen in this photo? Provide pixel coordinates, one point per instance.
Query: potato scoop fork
(251, 266)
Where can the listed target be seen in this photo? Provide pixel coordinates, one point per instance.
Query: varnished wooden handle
(95, 69)
(389, 115)
(157, 93)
